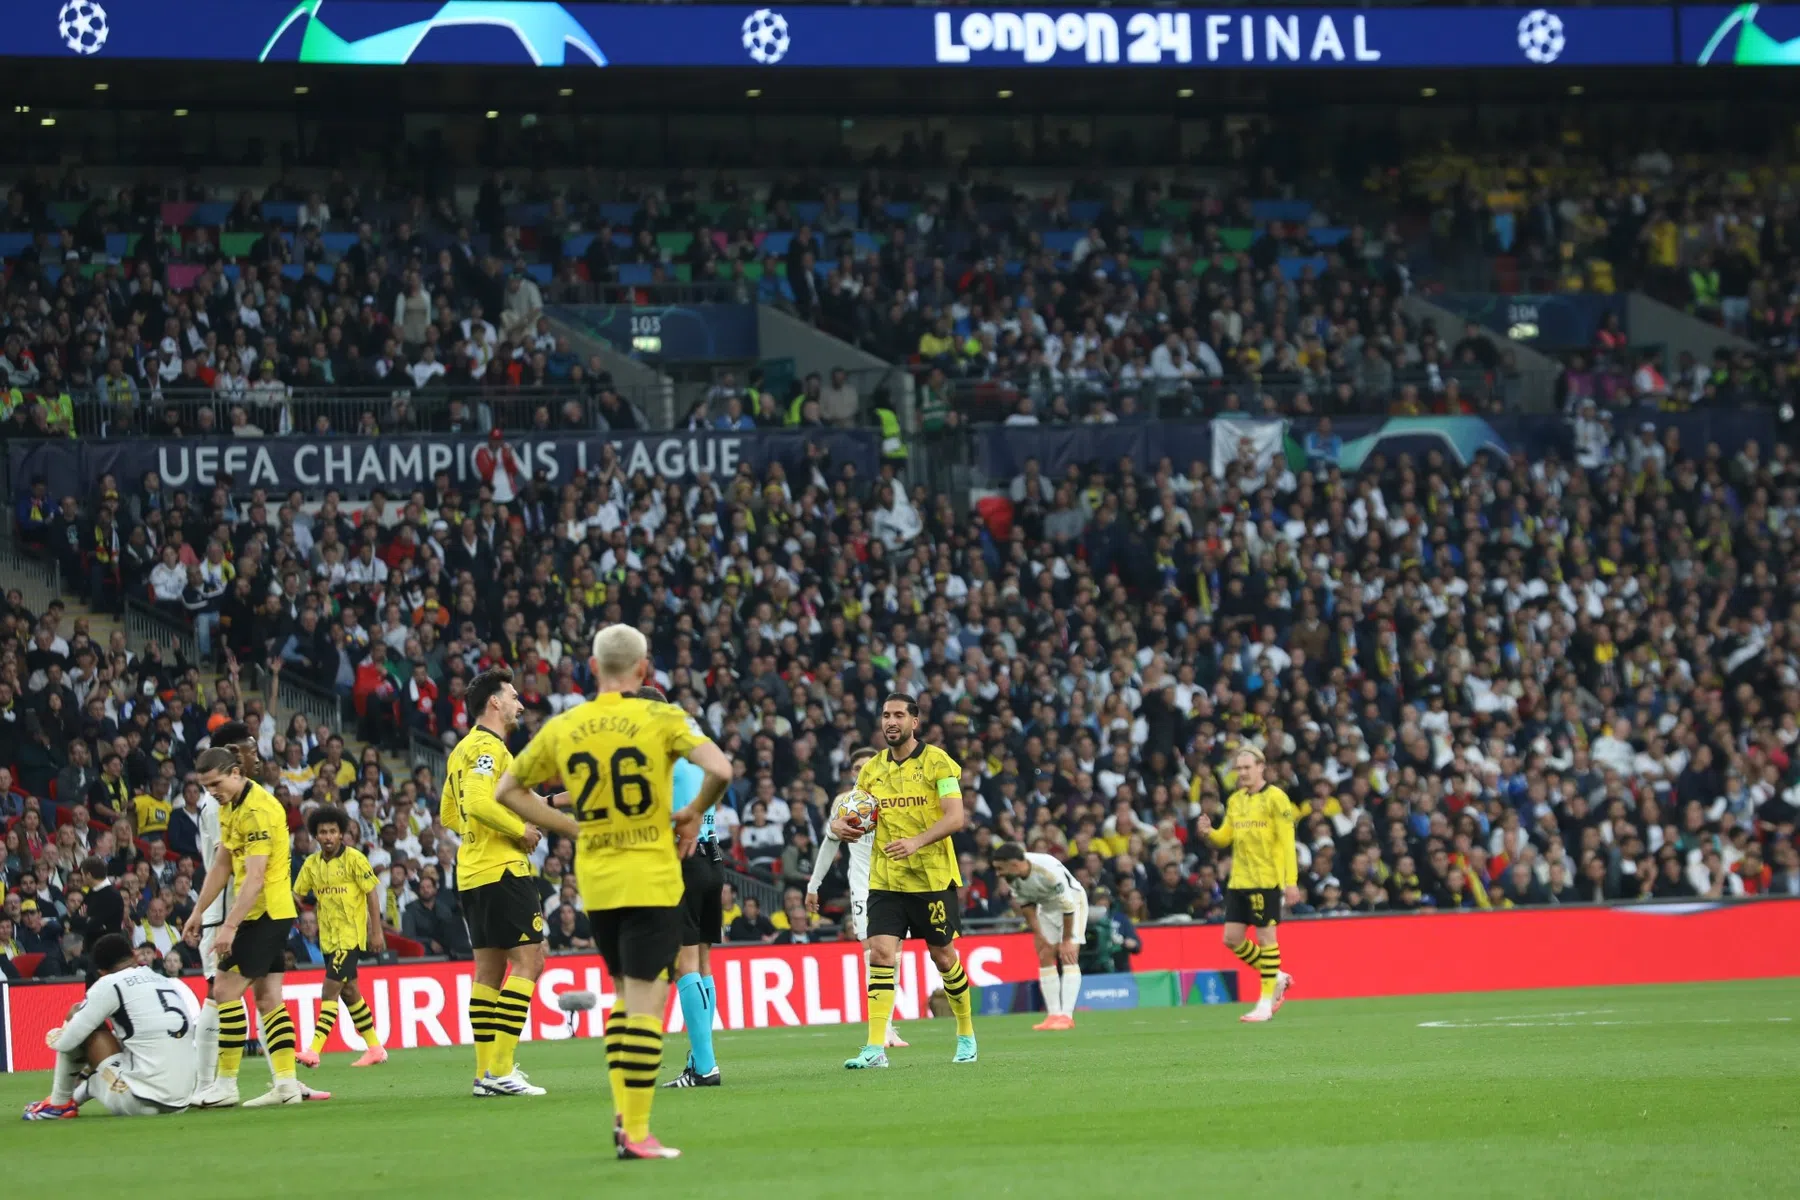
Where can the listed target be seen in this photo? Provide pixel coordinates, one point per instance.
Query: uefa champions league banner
(588, 36)
(357, 466)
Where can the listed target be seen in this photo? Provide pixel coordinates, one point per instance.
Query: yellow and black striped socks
(615, 1067)
(364, 1020)
(510, 1010)
(1268, 964)
(962, 1005)
(881, 1003)
(328, 1010)
(640, 1057)
(278, 1040)
(481, 1021)
(1249, 952)
(234, 1031)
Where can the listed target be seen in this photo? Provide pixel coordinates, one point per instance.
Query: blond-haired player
(1259, 830)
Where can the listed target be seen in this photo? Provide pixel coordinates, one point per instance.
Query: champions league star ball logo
(1541, 36)
(82, 24)
(766, 36)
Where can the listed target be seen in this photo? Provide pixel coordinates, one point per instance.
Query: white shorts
(112, 1087)
(856, 918)
(209, 956)
(1051, 925)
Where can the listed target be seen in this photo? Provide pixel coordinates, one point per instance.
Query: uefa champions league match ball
(859, 809)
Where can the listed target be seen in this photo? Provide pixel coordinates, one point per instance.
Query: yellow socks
(1269, 964)
(1248, 952)
(881, 1003)
(328, 1010)
(615, 1066)
(640, 1057)
(234, 1031)
(364, 1020)
(511, 1008)
(962, 1004)
(481, 1021)
(278, 1040)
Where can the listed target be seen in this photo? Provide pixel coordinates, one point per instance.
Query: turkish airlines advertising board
(760, 987)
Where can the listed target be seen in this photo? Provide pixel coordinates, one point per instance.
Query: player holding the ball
(913, 875)
(858, 809)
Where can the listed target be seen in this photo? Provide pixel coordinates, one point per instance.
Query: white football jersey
(861, 854)
(210, 841)
(150, 1015)
(1050, 886)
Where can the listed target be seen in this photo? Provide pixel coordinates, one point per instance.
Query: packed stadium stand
(1549, 660)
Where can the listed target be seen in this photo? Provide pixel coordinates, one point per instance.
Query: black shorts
(1253, 906)
(637, 943)
(259, 947)
(503, 914)
(702, 905)
(341, 965)
(933, 916)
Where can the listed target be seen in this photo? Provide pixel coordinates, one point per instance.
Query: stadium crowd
(1526, 682)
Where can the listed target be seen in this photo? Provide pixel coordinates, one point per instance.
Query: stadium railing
(39, 580)
(323, 709)
(748, 887)
(145, 624)
(422, 751)
(394, 410)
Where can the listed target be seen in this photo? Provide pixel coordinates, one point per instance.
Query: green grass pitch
(1636, 1092)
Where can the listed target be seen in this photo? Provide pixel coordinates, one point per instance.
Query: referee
(702, 920)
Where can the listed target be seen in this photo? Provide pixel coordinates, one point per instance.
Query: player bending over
(1259, 829)
(913, 875)
(616, 755)
(858, 918)
(147, 1069)
(702, 921)
(1055, 905)
(342, 885)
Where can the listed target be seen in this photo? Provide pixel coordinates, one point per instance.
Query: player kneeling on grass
(1259, 829)
(148, 1073)
(1055, 905)
(342, 885)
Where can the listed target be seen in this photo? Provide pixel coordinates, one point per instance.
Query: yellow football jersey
(152, 813)
(255, 826)
(1259, 828)
(911, 793)
(492, 834)
(616, 756)
(341, 886)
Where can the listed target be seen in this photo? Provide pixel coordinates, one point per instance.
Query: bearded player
(857, 919)
(913, 876)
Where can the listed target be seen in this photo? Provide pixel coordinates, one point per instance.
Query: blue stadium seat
(527, 214)
(338, 243)
(1292, 265)
(1280, 210)
(13, 244)
(1062, 240)
(777, 244)
(1085, 211)
(1329, 235)
(118, 245)
(865, 243)
(213, 212)
(540, 272)
(635, 272)
(808, 211)
(618, 214)
(576, 245)
(286, 213)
